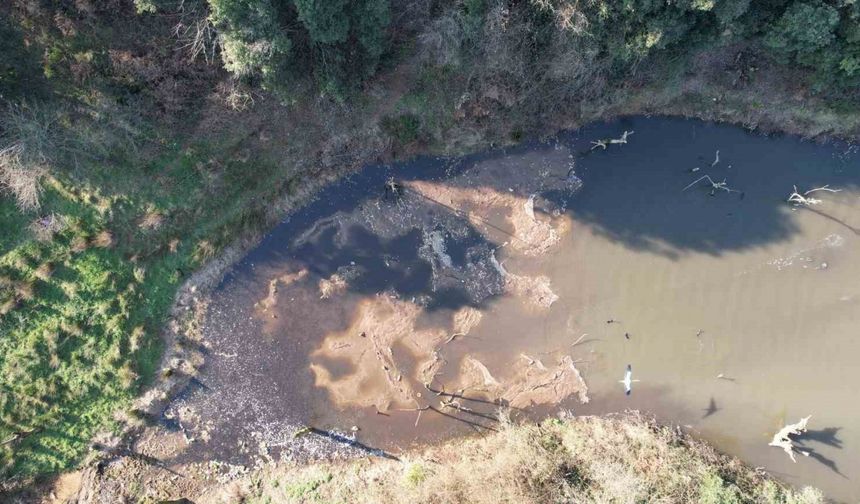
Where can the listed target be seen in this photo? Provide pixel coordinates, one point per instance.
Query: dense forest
(139, 138)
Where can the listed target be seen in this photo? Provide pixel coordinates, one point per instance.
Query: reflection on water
(410, 314)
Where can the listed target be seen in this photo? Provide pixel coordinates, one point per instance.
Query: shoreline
(190, 300)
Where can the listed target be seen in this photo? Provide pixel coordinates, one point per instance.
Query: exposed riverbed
(410, 302)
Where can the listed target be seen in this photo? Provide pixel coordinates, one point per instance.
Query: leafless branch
(599, 143)
(715, 186)
(194, 32)
(578, 340)
(802, 199)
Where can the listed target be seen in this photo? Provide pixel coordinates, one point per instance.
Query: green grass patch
(713, 490)
(415, 474)
(306, 488)
(81, 307)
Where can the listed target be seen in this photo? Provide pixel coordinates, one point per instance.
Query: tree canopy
(278, 40)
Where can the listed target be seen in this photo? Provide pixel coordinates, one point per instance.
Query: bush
(712, 490)
(404, 128)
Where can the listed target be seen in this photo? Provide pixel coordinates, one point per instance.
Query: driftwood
(622, 139)
(715, 186)
(599, 143)
(419, 410)
(605, 142)
(579, 340)
(454, 404)
(801, 199)
(782, 438)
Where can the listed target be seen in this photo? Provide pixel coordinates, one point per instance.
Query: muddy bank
(375, 301)
(618, 458)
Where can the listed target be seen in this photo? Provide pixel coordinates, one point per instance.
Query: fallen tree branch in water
(783, 440)
(455, 404)
(802, 199)
(715, 186)
(579, 339)
(622, 139)
(605, 142)
(419, 410)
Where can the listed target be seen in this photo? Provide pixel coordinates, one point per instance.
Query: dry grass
(24, 291)
(21, 177)
(621, 459)
(28, 141)
(104, 239)
(151, 220)
(45, 228)
(79, 244)
(44, 271)
(204, 250)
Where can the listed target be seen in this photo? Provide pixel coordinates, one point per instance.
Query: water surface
(410, 303)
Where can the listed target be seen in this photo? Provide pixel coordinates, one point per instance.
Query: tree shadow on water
(634, 193)
(394, 264)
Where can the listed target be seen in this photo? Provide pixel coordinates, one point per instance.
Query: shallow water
(453, 294)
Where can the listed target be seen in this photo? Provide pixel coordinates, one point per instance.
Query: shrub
(415, 474)
(712, 490)
(404, 128)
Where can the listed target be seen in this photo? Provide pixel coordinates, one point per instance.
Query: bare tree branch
(715, 186)
(801, 199)
(783, 440)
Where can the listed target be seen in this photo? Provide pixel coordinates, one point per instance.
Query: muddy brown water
(391, 315)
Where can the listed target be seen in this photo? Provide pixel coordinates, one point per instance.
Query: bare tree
(194, 32)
